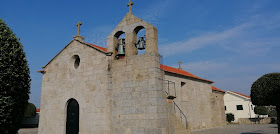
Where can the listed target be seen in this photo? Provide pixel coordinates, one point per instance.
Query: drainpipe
(249, 109)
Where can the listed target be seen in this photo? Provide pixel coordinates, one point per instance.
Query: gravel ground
(229, 129)
(241, 129)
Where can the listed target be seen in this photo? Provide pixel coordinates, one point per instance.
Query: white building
(239, 104)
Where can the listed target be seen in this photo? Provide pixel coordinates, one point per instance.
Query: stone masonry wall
(87, 84)
(193, 98)
(138, 101)
(218, 109)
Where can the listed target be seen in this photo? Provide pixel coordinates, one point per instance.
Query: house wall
(232, 100)
(87, 84)
(195, 99)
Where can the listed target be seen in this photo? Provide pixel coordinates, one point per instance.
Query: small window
(76, 60)
(252, 107)
(239, 107)
(225, 108)
(182, 84)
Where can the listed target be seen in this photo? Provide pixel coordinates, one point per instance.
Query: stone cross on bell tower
(79, 27)
(78, 36)
(130, 5)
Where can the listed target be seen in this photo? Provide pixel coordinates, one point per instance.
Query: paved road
(28, 131)
(241, 129)
(230, 129)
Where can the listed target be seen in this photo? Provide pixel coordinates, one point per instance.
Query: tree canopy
(14, 81)
(266, 90)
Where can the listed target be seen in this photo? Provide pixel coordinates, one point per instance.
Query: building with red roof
(239, 104)
(92, 89)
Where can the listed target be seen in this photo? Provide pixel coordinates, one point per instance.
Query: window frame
(239, 108)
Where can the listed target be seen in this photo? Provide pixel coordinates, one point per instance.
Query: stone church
(88, 89)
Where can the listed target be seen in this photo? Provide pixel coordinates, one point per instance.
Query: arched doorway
(72, 118)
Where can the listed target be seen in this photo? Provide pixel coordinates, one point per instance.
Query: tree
(230, 117)
(14, 81)
(261, 110)
(30, 111)
(266, 91)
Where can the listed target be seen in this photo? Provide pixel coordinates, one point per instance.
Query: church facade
(88, 89)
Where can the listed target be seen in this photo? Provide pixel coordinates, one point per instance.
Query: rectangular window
(252, 107)
(225, 108)
(239, 107)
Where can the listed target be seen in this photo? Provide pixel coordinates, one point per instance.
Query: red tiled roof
(98, 47)
(37, 110)
(163, 67)
(217, 89)
(181, 72)
(241, 94)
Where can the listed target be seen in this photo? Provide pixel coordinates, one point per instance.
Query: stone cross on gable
(180, 65)
(130, 5)
(79, 27)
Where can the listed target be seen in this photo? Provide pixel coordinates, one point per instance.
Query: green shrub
(230, 117)
(30, 111)
(261, 110)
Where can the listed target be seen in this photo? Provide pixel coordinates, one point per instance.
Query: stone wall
(194, 99)
(255, 120)
(218, 109)
(87, 84)
(138, 101)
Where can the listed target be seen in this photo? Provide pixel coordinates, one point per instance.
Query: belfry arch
(140, 32)
(131, 25)
(118, 35)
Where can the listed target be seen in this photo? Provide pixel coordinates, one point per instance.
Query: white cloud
(201, 41)
(251, 34)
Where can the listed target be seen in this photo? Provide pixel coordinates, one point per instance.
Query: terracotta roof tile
(181, 72)
(241, 94)
(98, 47)
(163, 67)
(217, 89)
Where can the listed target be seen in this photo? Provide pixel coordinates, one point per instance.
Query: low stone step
(182, 132)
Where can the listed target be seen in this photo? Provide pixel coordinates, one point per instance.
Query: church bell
(142, 43)
(121, 48)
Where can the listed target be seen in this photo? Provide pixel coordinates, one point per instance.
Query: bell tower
(138, 101)
(130, 26)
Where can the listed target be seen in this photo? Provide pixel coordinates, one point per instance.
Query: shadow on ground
(251, 133)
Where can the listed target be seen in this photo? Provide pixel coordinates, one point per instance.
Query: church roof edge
(101, 49)
(239, 94)
(217, 89)
(181, 72)
(163, 67)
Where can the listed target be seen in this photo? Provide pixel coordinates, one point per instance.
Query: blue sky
(231, 42)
